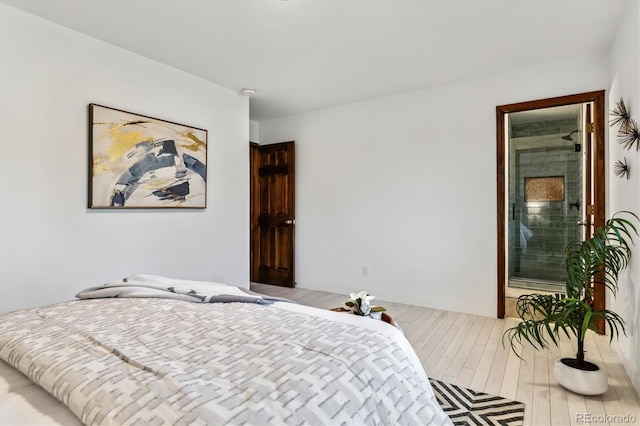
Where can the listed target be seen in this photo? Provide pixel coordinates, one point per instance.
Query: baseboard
(411, 299)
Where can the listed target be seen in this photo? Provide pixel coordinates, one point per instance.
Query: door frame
(598, 99)
(254, 206)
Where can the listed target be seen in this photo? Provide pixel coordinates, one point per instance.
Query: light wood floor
(466, 350)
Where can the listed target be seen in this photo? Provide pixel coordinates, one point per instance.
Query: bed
(147, 354)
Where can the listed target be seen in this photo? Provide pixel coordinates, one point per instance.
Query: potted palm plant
(594, 261)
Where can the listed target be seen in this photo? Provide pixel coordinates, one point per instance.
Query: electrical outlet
(365, 270)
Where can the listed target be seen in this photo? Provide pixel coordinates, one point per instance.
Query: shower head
(568, 137)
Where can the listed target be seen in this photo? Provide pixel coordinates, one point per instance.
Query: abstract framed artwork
(136, 161)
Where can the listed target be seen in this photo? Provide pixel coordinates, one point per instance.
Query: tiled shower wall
(539, 231)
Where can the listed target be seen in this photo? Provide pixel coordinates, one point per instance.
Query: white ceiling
(306, 55)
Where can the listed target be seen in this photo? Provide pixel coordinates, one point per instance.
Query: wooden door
(273, 214)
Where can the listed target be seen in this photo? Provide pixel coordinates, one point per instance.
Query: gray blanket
(144, 286)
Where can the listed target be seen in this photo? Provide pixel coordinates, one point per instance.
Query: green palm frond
(613, 320)
(595, 261)
(600, 258)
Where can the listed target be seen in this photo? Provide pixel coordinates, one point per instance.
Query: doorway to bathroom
(550, 190)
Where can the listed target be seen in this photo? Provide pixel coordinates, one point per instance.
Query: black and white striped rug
(467, 407)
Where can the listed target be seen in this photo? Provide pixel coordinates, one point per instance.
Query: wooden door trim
(597, 97)
(254, 208)
(587, 231)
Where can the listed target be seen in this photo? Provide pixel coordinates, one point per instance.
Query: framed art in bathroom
(137, 161)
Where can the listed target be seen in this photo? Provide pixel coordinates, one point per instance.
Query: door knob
(290, 222)
(582, 222)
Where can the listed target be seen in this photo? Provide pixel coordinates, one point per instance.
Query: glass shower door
(546, 195)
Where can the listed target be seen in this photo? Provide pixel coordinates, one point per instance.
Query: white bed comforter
(156, 361)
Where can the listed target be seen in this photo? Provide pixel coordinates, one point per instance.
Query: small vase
(589, 381)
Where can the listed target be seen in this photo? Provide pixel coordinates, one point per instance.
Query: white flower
(361, 302)
(365, 305)
(363, 296)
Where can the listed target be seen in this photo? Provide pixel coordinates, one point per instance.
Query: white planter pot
(584, 382)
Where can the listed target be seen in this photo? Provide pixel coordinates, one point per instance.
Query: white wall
(254, 131)
(51, 245)
(406, 185)
(625, 194)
